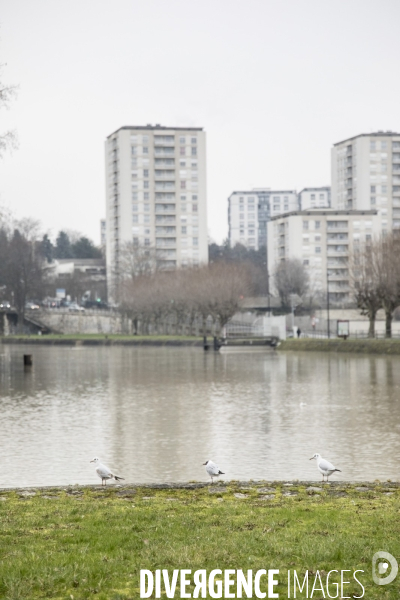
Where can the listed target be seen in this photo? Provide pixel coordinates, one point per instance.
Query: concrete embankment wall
(363, 346)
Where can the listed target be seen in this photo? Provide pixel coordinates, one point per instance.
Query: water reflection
(158, 414)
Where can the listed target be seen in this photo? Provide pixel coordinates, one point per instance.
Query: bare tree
(364, 279)
(290, 277)
(389, 276)
(8, 139)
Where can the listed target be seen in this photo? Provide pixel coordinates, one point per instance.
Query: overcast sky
(273, 82)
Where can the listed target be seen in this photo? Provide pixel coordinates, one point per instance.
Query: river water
(157, 414)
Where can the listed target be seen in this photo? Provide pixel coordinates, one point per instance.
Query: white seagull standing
(104, 472)
(324, 467)
(212, 469)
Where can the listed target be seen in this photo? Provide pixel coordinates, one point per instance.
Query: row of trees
(184, 299)
(70, 245)
(25, 262)
(375, 279)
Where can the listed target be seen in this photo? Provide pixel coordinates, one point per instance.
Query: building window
(147, 218)
(182, 150)
(182, 163)
(183, 185)
(146, 184)
(317, 224)
(194, 207)
(373, 200)
(183, 198)
(135, 196)
(194, 140)
(317, 249)
(135, 207)
(194, 198)
(135, 218)
(145, 173)
(136, 241)
(194, 151)
(184, 229)
(372, 146)
(133, 150)
(305, 225)
(146, 196)
(183, 207)
(384, 189)
(145, 150)
(306, 262)
(182, 140)
(312, 196)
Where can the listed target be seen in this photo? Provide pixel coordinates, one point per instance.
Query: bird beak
(204, 464)
(312, 457)
(91, 461)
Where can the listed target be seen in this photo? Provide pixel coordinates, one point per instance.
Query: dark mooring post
(205, 345)
(28, 360)
(216, 343)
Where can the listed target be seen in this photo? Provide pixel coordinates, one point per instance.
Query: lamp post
(327, 302)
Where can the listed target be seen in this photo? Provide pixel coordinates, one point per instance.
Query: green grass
(97, 338)
(365, 346)
(91, 543)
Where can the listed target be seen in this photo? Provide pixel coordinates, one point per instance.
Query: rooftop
(157, 127)
(316, 189)
(376, 134)
(325, 212)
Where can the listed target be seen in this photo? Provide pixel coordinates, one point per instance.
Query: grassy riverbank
(105, 340)
(78, 543)
(364, 346)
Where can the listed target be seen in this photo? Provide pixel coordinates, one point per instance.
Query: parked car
(74, 307)
(96, 304)
(4, 304)
(31, 306)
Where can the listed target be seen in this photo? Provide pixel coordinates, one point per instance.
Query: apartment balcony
(164, 176)
(165, 208)
(396, 212)
(161, 140)
(164, 151)
(338, 276)
(396, 168)
(396, 158)
(164, 219)
(335, 238)
(337, 250)
(165, 242)
(167, 186)
(170, 231)
(337, 226)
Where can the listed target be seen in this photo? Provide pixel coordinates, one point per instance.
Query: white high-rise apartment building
(323, 239)
(156, 194)
(317, 197)
(366, 175)
(250, 211)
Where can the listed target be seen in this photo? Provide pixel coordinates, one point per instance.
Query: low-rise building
(323, 240)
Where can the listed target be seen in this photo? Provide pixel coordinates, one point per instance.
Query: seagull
(212, 469)
(324, 467)
(104, 472)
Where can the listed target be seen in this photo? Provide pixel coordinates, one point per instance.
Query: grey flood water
(157, 414)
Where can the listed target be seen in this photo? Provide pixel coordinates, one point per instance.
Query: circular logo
(382, 567)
